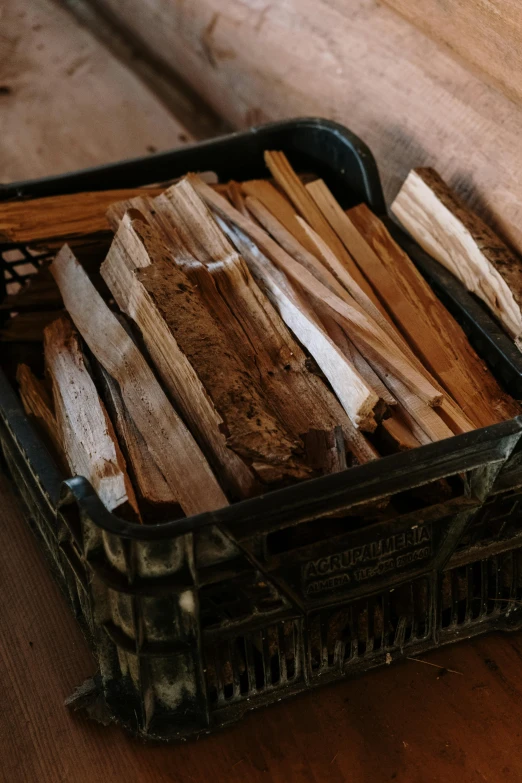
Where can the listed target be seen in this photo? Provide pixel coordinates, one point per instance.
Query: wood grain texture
(65, 101)
(59, 219)
(487, 35)
(354, 61)
(404, 723)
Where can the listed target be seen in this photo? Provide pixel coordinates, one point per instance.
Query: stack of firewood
(237, 338)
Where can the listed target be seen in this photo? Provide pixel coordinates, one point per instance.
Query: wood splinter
(84, 427)
(441, 223)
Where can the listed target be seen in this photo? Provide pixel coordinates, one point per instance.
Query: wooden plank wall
(487, 35)
(66, 102)
(354, 61)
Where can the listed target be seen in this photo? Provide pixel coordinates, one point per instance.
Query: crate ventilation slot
(254, 663)
(473, 592)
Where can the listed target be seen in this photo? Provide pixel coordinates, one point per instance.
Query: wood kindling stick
(58, 218)
(85, 430)
(276, 204)
(290, 183)
(370, 337)
(170, 443)
(441, 223)
(235, 422)
(154, 494)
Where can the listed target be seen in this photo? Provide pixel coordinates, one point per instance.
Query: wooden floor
(409, 722)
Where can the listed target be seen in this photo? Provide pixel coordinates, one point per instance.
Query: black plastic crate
(195, 621)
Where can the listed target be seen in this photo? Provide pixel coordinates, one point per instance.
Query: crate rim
(72, 182)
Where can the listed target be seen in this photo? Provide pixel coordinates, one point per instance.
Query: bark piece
(86, 432)
(464, 244)
(430, 330)
(171, 445)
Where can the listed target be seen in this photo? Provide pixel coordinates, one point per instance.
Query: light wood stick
(155, 496)
(464, 244)
(171, 445)
(293, 247)
(85, 430)
(38, 403)
(431, 331)
(280, 207)
(362, 330)
(61, 218)
(301, 319)
(296, 191)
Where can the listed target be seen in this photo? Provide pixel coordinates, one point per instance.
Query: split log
(300, 398)
(86, 432)
(171, 445)
(464, 244)
(210, 374)
(433, 334)
(154, 494)
(39, 405)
